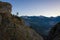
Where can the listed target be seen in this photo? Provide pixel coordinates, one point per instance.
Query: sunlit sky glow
(35, 7)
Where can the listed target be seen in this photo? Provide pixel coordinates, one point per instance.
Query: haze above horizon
(35, 7)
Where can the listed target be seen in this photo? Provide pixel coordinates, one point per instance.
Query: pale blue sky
(35, 7)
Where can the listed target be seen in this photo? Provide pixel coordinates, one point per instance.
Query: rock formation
(5, 7)
(55, 32)
(13, 27)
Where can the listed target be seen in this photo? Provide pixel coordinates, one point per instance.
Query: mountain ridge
(13, 28)
(41, 24)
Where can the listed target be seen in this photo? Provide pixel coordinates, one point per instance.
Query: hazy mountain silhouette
(54, 33)
(41, 24)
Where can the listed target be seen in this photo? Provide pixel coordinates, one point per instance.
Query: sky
(35, 7)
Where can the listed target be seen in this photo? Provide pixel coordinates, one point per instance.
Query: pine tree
(17, 14)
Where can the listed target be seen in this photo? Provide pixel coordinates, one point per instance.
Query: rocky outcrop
(5, 7)
(13, 28)
(55, 32)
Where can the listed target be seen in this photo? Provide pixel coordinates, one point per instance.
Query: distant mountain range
(41, 24)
